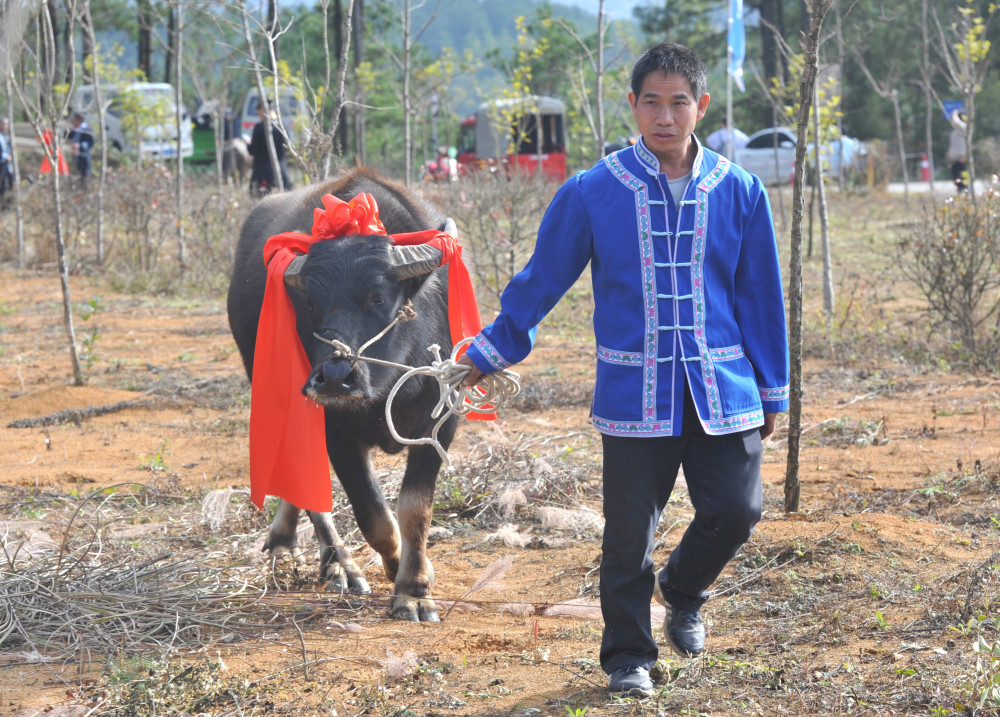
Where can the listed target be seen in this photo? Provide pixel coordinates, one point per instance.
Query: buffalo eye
(377, 298)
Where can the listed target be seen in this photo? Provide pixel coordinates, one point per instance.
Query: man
(262, 180)
(6, 157)
(958, 148)
(692, 353)
(81, 138)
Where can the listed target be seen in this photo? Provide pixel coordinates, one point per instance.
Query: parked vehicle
(143, 112)
(293, 115)
(770, 154)
(534, 126)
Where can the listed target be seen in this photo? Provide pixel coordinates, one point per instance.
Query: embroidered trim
(736, 423)
(774, 394)
(729, 353)
(630, 428)
(698, 291)
(646, 157)
(491, 354)
(641, 192)
(715, 176)
(626, 358)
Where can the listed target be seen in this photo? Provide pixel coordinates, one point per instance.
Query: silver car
(770, 154)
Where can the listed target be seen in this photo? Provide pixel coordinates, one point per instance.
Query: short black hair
(76, 116)
(672, 59)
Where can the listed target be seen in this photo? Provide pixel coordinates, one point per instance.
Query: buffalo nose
(336, 371)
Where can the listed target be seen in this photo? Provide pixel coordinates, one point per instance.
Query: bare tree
(14, 19)
(594, 58)
(887, 90)
(405, 65)
(824, 219)
(360, 143)
(43, 112)
(177, 41)
(144, 11)
(817, 10)
(95, 61)
(966, 55)
(271, 32)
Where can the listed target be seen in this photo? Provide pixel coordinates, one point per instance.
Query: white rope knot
(486, 396)
(490, 393)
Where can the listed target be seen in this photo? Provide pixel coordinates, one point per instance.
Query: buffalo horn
(293, 273)
(413, 260)
(450, 228)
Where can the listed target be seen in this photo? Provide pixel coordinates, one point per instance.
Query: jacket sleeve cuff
(485, 356)
(774, 400)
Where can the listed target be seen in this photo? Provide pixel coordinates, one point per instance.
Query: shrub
(953, 257)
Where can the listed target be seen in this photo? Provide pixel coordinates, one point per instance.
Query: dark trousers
(958, 174)
(723, 479)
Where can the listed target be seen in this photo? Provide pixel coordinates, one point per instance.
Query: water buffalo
(349, 289)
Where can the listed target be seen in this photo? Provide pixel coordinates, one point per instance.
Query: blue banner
(737, 43)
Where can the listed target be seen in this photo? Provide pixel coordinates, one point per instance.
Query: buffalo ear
(293, 273)
(449, 227)
(414, 260)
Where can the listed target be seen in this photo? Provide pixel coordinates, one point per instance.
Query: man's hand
(475, 374)
(768, 428)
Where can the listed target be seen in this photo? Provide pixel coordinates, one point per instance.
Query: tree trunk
(894, 96)
(599, 80)
(171, 54)
(18, 209)
(145, 17)
(824, 218)
(929, 105)
(99, 103)
(407, 119)
(358, 27)
(177, 33)
(807, 88)
(50, 52)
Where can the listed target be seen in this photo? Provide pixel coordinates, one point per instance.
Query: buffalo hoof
(340, 581)
(414, 609)
(282, 549)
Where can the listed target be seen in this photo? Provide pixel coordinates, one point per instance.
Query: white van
(158, 140)
(293, 113)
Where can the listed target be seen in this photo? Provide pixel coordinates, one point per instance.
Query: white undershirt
(677, 187)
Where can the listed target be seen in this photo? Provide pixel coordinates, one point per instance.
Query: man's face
(3, 126)
(666, 112)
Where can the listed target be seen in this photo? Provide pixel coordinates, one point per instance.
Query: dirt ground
(854, 605)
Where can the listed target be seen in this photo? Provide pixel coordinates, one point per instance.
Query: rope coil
(491, 392)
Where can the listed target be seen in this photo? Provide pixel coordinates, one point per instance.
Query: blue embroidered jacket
(681, 293)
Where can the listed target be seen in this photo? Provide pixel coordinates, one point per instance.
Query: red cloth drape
(46, 166)
(287, 431)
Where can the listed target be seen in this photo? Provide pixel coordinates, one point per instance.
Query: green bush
(952, 255)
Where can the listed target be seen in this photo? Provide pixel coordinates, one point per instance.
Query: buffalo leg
(282, 536)
(336, 564)
(375, 520)
(415, 580)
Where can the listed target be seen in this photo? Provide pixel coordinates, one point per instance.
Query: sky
(619, 9)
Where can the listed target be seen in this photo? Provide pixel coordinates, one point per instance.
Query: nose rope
(490, 393)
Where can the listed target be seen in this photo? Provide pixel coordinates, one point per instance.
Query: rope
(490, 393)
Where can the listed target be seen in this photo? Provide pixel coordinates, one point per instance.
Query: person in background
(718, 139)
(262, 180)
(6, 158)
(81, 138)
(957, 150)
(691, 349)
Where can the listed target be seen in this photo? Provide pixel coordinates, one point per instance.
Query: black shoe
(630, 681)
(685, 631)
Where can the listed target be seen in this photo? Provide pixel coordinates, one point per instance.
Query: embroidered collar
(652, 164)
